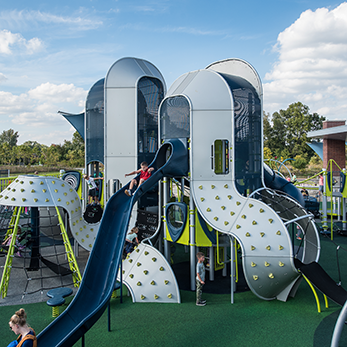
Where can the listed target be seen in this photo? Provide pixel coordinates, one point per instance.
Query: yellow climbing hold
(152, 283)
(280, 247)
(143, 297)
(215, 218)
(146, 253)
(248, 234)
(200, 187)
(232, 213)
(238, 226)
(138, 283)
(238, 203)
(208, 209)
(154, 259)
(253, 264)
(138, 264)
(252, 248)
(161, 268)
(226, 223)
(262, 234)
(225, 186)
(271, 275)
(217, 197)
(156, 296)
(131, 275)
(268, 247)
(202, 199)
(145, 272)
(278, 232)
(250, 205)
(229, 197)
(261, 210)
(166, 282)
(169, 296)
(44, 190)
(213, 186)
(267, 264)
(255, 277)
(281, 264)
(254, 222)
(223, 208)
(243, 216)
(130, 261)
(32, 190)
(271, 220)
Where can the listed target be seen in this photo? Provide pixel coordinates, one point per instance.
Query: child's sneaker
(128, 192)
(201, 303)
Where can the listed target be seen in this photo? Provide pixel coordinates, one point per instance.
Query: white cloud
(312, 64)
(35, 112)
(10, 42)
(2, 77)
(20, 19)
(57, 93)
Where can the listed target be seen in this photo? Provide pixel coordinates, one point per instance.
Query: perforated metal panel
(95, 123)
(150, 93)
(247, 134)
(175, 118)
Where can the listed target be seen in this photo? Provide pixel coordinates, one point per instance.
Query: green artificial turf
(248, 322)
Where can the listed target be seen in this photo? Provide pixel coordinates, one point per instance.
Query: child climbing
(145, 175)
(93, 189)
(129, 240)
(18, 246)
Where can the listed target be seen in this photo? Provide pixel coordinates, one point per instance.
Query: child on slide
(145, 175)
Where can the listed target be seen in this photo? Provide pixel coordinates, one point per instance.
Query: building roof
(333, 133)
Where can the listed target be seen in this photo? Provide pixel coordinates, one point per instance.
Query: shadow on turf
(324, 331)
(220, 285)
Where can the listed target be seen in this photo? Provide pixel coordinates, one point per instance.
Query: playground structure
(210, 126)
(41, 196)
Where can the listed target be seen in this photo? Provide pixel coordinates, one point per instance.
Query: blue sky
(51, 53)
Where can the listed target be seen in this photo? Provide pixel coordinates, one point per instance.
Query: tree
(286, 134)
(10, 137)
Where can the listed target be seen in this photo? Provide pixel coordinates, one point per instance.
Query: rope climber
(38, 249)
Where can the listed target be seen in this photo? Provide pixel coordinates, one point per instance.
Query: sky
(51, 53)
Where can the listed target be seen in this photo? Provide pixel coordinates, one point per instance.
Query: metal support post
(166, 199)
(324, 204)
(211, 276)
(192, 243)
(232, 269)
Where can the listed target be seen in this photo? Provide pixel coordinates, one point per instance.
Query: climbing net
(300, 224)
(35, 245)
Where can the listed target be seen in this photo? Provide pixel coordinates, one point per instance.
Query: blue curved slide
(101, 271)
(274, 181)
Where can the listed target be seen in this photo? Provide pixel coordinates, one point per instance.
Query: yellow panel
(201, 240)
(184, 238)
(344, 192)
